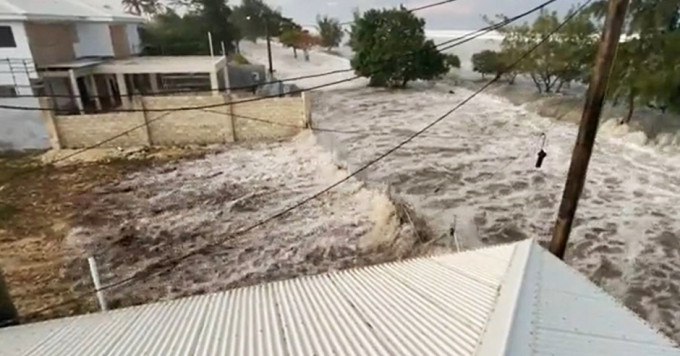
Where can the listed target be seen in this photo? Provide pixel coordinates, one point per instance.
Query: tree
(486, 62)
(306, 41)
(563, 57)
(452, 61)
(254, 17)
(215, 14)
(646, 67)
(139, 7)
(170, 34)
(330, 31)
(391, 50)
(291, 38)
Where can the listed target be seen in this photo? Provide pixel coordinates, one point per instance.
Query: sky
(458, 15)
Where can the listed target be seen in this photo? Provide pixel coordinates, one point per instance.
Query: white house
(38, 33)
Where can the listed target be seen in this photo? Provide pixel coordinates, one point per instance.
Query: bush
(487, 62)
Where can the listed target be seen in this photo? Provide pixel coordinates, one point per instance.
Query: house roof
(514, 299)
(66, 10)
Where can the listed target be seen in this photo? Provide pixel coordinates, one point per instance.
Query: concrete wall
(169, 128)
(289, 113)
(21, 129)
(172, 128)
(21, 52)
(93, 39)
(51, 42)
(119, 39)
(77, 131)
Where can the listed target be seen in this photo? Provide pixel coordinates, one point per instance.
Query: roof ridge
(496, 335)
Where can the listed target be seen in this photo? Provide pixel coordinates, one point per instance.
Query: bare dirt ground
(143, 212)
(37, 209)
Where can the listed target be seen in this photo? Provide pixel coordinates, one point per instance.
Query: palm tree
(139, 7)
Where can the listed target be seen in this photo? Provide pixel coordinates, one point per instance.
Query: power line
(410, 10)
(246, 87)
(174, 263)
(451, 43)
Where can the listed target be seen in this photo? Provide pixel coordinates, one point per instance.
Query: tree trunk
(559, 86)
(536, 83)
(631, 108)
(295, 52)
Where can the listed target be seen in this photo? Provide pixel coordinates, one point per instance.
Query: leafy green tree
(564, 57)
(253, 18)
(171, 34)
(291, 38)
(452, 61)
(215, 14)
(646, 69)
(391, 49)
(330, 31)
(486, 62)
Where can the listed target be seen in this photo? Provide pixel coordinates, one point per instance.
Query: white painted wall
(134, 41)
(21, 129)
(94, 39)
(17, 54)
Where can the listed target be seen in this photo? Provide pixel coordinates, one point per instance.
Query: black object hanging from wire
(541, 154)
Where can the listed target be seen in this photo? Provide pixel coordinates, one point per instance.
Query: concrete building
(39, 33)
(514, 299)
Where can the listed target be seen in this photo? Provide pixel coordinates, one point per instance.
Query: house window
(7, 37)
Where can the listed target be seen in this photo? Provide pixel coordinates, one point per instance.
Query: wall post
(48, 114)
(307, 109)
(139, 102)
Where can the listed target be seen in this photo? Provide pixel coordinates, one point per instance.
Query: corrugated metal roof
(560, 312)
(508, 300)
(83, 10)
(435, 305)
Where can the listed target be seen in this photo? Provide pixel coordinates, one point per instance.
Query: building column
(78, 97)
(214, 84)
(109, 90)
(122, 88)
(153, 78)
(95, 92)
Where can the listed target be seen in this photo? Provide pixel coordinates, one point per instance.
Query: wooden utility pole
(588, 128)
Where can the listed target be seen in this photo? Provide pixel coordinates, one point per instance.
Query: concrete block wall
(78, 131)
(219, 123)
(287, 115)
(171, 128)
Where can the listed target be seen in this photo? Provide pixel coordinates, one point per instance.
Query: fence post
(97, 283)
(8, 313)
(49, 118)
(230, 112)
(140, 99)
(307, 109)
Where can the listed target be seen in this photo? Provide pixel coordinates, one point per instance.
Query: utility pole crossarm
(588, 128)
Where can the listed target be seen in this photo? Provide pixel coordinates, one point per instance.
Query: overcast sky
(458, 15)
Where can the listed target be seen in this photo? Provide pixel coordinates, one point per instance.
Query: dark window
(7, 37)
